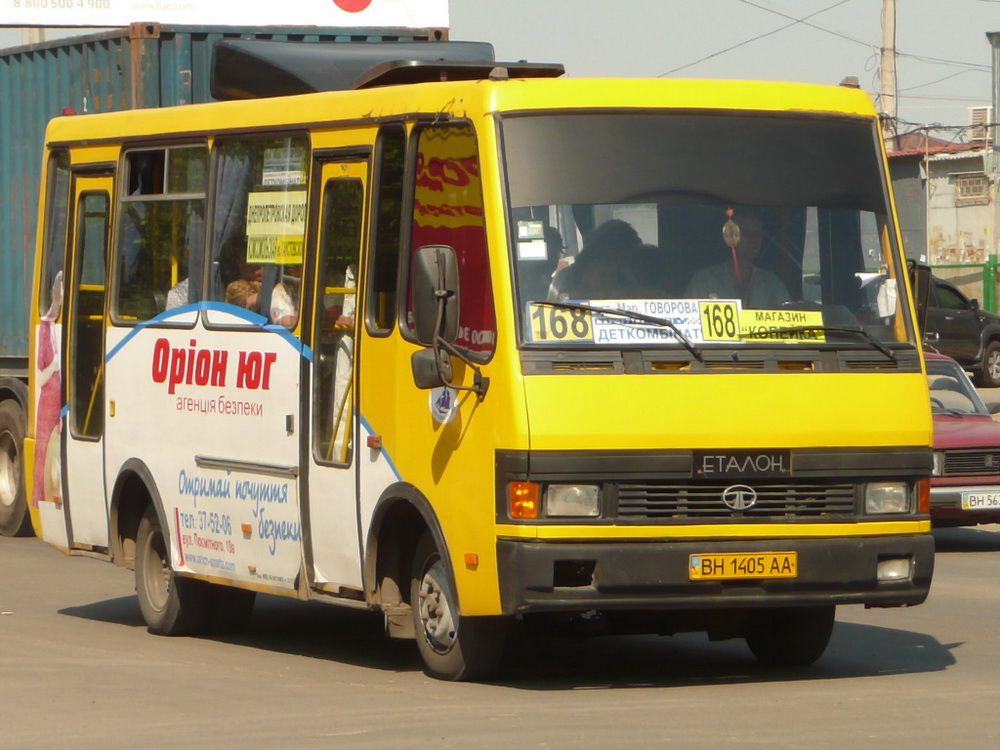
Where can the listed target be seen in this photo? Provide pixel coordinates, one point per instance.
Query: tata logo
(739, 497)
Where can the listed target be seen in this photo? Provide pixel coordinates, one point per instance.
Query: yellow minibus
(482, 347)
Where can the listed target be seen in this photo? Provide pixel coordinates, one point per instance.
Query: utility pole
(887, 97)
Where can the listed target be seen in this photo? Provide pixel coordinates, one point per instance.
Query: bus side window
(389, 166)
(162, 236)
(258, 225)
(56, 225)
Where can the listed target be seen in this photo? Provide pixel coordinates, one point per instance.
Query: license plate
(743, 565)
(980, 500)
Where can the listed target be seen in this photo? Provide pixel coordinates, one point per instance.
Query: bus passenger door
(83, 459)
(331, 489)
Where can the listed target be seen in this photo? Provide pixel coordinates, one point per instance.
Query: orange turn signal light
(522, 499)
(924, 496)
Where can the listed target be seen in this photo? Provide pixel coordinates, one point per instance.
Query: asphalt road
(79, 670)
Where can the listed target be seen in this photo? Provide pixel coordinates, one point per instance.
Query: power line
(804, 21)
(973, 98)
(941, 80)
(942, 61)
(921, 58)
(754, 39)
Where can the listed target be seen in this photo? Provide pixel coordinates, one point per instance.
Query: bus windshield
(737, 230)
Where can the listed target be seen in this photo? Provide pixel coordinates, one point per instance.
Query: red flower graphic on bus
(352, 6)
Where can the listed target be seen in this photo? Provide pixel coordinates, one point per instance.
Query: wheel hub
(10, 473)
(993, 365)
(156, 577)
(436, 610)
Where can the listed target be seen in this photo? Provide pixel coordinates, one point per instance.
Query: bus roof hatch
(256, 68)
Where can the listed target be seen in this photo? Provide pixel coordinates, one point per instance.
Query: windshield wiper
(955, 413)
(825, 329)
(628, 314)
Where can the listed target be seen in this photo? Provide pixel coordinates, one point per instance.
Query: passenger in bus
(343, 373)
(246, 284)
(284, 302)
(340, 307)
(604, 268)
(244, 293)
(741, 277)
(177, 295)
(251, 271)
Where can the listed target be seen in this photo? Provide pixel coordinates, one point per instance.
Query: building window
(972, 188)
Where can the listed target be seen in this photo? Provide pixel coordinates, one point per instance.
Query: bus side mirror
(431, 368)
(920, 282)
(434, 284)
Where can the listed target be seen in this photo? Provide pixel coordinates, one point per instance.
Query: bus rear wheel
(452, 646)
(170, 605)
(14, 517)
(790, 636)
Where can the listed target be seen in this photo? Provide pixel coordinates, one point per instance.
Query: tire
(453, 647)
(989, 374)
(790, 636)
(15, 520)
(170, 605)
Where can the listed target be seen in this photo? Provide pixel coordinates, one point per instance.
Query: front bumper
(550, 576)
(946, 505)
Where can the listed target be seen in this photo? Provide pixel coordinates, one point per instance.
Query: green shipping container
(146, 65)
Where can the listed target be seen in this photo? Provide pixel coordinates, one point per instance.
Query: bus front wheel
(790, 636)
(170, 605)
(453, 647)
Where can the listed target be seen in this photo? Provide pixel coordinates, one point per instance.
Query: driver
(740, 278)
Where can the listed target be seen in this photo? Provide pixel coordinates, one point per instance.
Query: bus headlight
(938, 469)
(887, 497)
(577, 500)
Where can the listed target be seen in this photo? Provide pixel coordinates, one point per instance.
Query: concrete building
(946, 203)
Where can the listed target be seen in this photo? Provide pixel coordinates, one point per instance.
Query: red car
(965, 487)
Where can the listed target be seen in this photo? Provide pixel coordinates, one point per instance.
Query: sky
(941, 41)
(943, 63)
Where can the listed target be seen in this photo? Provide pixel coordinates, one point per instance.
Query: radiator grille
(671, 502)
(976, 463)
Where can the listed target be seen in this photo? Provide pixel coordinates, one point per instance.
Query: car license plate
(743, 565)
(980, 500)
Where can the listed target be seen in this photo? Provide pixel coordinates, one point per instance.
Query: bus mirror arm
(432, 368)
(443, 347)
(442, 354)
